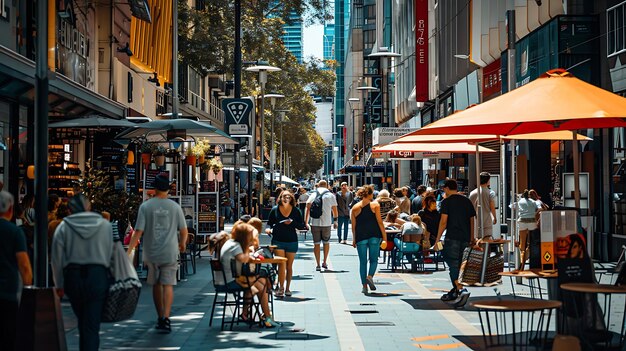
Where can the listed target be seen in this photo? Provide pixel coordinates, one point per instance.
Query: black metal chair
(223, 296)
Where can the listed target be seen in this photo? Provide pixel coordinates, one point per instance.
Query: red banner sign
(492, 79)
(421, 50)
(402, 154)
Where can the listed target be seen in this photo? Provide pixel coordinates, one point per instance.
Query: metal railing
(202, 104)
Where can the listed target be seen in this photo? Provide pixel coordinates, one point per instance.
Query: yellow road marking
(431, 337)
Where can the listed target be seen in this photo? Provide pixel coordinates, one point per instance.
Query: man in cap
(13, 261)
(163, 222)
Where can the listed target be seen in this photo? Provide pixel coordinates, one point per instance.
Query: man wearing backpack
(321, 208)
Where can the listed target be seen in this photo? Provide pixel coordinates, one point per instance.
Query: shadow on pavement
(437, 304)
(475, 342)
(302, 277)
(334, 271)
(295, 299)
(381, 294)
(295, 334)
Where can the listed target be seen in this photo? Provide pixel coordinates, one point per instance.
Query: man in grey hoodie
(82, 247)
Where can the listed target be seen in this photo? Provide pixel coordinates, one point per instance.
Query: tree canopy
(206, 43)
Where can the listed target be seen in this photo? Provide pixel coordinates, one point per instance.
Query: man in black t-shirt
(457, 219)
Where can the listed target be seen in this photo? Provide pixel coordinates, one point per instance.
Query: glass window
(619, 19)
(611, 31)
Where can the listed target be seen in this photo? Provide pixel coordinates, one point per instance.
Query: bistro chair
(227, 298)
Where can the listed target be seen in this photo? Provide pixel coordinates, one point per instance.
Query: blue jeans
(86, 286)
(453, 256)
(343, 222)
(371, 245)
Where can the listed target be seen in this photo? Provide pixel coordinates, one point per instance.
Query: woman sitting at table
(392, 220)
(430, 217)
(237, 248)
(386, 203)
(367, 231)
(412, 233)
(284, 219)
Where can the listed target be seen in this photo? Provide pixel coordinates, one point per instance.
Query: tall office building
(292, 36)
(329, 41)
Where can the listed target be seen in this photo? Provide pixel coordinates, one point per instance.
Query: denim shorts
(291, 247)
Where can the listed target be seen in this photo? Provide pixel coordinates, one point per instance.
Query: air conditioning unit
(556, 225)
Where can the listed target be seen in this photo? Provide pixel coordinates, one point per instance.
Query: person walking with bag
(163, 222)
(82, 247)
(457, 219)
(284, 220)
(321, 208)
(367, 232)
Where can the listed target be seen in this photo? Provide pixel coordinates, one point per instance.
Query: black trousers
(87, 286)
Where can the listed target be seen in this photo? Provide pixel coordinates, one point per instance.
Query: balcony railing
(202, 104)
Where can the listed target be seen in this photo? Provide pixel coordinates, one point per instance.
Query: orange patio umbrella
(555, 101)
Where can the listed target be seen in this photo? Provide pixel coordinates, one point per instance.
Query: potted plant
(191, 157)
(216, 165)
(159, 155)
(146, 154)
(200, 149)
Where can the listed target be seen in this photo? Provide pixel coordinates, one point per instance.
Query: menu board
(151, 174)
(131, 179)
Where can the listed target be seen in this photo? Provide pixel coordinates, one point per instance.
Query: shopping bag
(123, 294)
(469, 273)
(471, 267)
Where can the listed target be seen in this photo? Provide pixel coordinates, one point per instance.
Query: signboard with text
(421, 50)
(385, 135)
(415, 155)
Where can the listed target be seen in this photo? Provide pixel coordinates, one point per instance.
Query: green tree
(206, 43)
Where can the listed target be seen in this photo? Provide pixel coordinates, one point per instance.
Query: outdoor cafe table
(533, 275)
(608, 291)
(515, 323)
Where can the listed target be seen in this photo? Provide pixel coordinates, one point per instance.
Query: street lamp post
(366, 89)
(350, 102)
(281, 114)
(262, 68)
(341, 143)
(273, 98)
(383, 54)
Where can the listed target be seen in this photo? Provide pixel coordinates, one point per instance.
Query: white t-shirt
(328, 202)
(230, 250)
(302, 199)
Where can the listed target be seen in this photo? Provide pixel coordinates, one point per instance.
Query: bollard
(40, 321)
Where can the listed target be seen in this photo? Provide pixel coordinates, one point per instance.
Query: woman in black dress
(430, 217)
(284, 219)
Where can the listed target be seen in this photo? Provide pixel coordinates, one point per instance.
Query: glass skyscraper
(292, 36)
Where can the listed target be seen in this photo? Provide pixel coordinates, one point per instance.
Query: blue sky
(313, 41)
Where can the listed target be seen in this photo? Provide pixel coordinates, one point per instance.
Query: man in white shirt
(321, 227)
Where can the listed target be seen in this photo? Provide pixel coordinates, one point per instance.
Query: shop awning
(67, 98)
(281, 179)
(196, 129)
